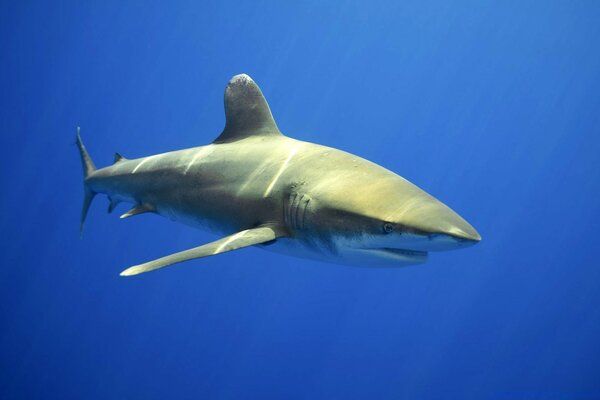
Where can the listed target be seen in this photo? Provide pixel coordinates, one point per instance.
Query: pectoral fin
(138, 209)
(246, 238)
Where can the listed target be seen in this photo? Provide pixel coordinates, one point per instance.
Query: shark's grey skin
(264, 188)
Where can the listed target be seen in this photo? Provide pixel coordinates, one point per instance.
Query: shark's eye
(388, 227)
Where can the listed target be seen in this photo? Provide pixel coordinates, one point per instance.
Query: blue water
(493, 107)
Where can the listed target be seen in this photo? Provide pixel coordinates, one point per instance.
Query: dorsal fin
(246, 111)
(118, 158)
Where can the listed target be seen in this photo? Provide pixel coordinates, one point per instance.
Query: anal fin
(248, 237)
(112, 204)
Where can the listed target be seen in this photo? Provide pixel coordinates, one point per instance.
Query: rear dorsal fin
(246, 111)
(118, 158)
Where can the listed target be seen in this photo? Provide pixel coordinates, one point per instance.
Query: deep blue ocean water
(491, 106)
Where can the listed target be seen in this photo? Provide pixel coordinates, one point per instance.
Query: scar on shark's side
(259, 187)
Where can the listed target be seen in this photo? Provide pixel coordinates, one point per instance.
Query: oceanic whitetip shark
(259, 187)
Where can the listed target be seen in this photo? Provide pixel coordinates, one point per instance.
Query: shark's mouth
(413, 256)
(411, 253)
(394, 255)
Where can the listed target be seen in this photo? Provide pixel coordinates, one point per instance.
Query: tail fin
(88, 168)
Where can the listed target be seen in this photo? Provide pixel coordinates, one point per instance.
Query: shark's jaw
(368, 251)
(395, 250)
(395, 256)
(415, 255)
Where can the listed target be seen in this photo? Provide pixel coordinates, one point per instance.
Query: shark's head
(405, 238)
(389, 222)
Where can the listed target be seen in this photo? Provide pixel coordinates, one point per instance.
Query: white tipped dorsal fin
(246, 111)
(246, 238)
(138, 209)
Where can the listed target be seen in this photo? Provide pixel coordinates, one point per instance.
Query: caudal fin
(88, 168)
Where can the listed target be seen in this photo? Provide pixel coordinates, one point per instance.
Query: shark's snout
(468, 235)
(454, 226)
(439, 228)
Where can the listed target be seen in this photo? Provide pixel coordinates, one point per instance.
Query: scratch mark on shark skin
(256, 173)
(192, 162)
(144, 161)
(139, 165)
(231, 239)
(202, 152)
(291, 154)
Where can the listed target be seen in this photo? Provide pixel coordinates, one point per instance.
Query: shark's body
(263, 188)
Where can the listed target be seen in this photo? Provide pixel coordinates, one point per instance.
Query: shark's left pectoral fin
(248, 237)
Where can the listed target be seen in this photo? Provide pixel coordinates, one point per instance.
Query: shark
(255, 186)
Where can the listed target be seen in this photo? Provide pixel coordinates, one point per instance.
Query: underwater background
(491, 106)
